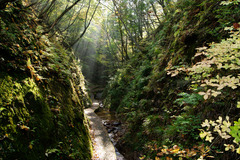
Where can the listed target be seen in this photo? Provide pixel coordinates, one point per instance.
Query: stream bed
(113, 126)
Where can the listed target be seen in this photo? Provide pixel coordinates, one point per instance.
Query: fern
(191, 99)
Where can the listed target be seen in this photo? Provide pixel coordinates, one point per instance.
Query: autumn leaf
(229, 146)
(238, 150)
(236, 25)
(157, 158)
(202, 134)
(175, 150)
(30, 146)
(23, 127)
(238, 104)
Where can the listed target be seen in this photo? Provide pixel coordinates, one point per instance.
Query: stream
(113, 127)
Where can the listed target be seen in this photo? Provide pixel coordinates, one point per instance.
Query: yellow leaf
(29, 51)
(238, 150)
(238, 104)
(209, 138)
(29, 62)
(202, 134)
(175, 150)
(205, 97)
(227, 147)
(30, 146)
(141, 158)
(164, 150)
(215, 94)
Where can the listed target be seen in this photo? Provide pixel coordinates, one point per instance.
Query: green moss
(41, 103)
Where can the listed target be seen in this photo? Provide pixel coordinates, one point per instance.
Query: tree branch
(86, 25)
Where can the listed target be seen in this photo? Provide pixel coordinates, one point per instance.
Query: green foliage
(165, 92)
(191, 99)
(187, 124)
(215, 75)
(184, 125)
(235, 131)
(42, 93)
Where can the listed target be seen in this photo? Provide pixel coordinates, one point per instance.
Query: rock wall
(42, 93)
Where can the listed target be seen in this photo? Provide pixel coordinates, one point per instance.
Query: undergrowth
(165, 93)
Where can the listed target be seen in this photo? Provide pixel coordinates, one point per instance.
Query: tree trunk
(122, 42)
(86, 25)
(63, 13)
(126, 28)
(43, 8)
(155, 12)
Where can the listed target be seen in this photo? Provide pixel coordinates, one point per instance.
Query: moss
(41, 102)
(30, 127)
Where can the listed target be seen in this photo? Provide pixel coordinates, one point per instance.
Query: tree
(86, 24)
(62, 14)
(3, 3)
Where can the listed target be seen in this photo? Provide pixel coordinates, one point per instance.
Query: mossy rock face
(42, 94)
(31, 128)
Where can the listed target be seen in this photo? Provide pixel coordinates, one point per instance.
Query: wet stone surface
(102, 144)
(114, 128)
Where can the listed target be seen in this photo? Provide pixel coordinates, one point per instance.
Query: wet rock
(110, 130)
(116, 123)
(105, 123)
(117, 128)
(111, 136)
(101, 104)
(115, 131)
